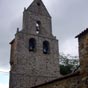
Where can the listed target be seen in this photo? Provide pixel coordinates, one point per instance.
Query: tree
(68, 63)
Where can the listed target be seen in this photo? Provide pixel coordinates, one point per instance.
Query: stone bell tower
(34, 51)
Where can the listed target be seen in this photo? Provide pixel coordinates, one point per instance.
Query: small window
(38, 4)
(38, 24)
(11, 62)
(46, 48)
(32, 44)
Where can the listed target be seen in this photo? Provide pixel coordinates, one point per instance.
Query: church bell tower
(34, 51)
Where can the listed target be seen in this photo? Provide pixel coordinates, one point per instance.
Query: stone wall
(33, 68)
(83, 55)
(70, 81)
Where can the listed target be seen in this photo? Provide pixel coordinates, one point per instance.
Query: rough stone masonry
(34, 50)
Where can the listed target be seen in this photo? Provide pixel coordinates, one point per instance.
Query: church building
(34, 50)
(34, 57)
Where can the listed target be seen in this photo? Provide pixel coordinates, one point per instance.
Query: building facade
(34, 51)
(34, 56)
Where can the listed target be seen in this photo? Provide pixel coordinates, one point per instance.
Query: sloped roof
(82, 33)
(12, 41)
(77, 73)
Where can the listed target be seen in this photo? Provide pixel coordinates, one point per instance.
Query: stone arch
(46, 47)
(32, 44)
(38, 26)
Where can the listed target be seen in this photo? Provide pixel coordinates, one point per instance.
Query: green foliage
(65, 69)
(68, 64)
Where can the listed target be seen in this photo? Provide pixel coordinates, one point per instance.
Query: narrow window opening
(46, 47)
(32, 44)
(38, 27)
(38, 4)
(11, 63)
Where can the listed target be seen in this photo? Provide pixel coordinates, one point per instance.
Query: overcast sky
(69, 17)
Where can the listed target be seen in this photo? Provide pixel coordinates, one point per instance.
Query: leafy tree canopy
(68, 63)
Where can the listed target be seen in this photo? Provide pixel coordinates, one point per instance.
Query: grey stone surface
(33, 68)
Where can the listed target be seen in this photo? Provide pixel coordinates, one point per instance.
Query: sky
(69, 18)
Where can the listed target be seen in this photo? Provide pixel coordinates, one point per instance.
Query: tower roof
(37, 7)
